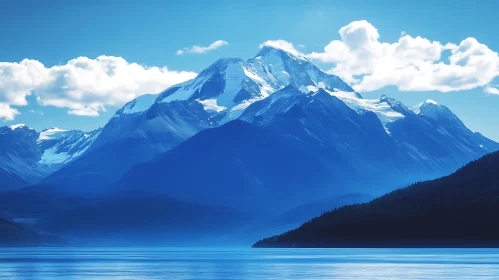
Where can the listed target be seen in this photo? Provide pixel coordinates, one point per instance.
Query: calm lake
(195, 263)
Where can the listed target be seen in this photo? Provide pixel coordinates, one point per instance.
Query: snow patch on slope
(51, 156)
(16, 126)
(234, 77)
(61, 146)
(239, 109)
(184, 90)
(211, 105)
(139, 104)
(51, 133)
(379, 106)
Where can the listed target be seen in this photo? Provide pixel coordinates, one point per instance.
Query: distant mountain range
(27, 156)
(263, 136)
(458, 210)
(14, 234)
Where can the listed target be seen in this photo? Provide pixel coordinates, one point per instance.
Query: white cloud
(6, 112)
(283, 45)
(411, 63)
(84, 86)
(200, 50)
(491, 90)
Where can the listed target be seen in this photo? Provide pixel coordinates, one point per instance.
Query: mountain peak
(269, 50)
(424, 106)
(18, 126)
(394, 104)
(431, 109)
(384, 98)
(225, 61)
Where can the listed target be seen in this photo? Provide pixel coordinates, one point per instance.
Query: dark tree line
(459, 210)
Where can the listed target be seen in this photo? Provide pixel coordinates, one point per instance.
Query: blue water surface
(215, 263)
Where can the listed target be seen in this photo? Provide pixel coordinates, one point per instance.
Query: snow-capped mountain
(288, 95)
(230, 85)
(156, 124)
(438, 113)
(27, 156)
(59, 146)
(222, 92)
(297, 71)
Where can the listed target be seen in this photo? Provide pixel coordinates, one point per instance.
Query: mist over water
(216, 263)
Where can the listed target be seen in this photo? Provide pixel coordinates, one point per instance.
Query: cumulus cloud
(6, 112)
(283, 45)
(411, 63)
(200, 49)
(83, 85)
(491, 90)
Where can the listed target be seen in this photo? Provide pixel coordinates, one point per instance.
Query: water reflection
(189, 263)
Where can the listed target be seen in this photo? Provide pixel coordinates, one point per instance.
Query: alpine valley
(247, 149)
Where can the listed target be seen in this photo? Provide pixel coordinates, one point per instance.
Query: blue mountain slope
(237, 165)
(19, 155)
(161, 124)
(11, 181)
(129, 139)
(434, 135)
(318, 147)
(325, 123)
(311, 146)
(100, 167)
(427, 142)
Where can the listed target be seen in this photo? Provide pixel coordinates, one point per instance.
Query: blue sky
(150, 33)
